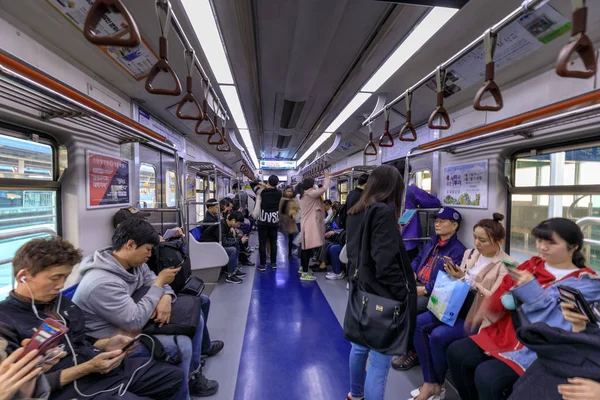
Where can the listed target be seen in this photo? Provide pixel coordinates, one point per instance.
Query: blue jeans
(334, 257)
(232, 265)
(190, 350)
(370, 383)
(432, 338)
(205, 301)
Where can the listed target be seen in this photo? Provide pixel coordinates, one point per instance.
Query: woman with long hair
(289, 210)
(312, 226)
(486, 365)
(381, 270)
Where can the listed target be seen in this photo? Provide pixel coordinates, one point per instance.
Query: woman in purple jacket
(427, 264)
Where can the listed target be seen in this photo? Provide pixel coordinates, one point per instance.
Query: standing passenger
(268, 223)
(288, 211)
(312, 226)
(382, 269)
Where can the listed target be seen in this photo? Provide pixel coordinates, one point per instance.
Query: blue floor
(293, 344)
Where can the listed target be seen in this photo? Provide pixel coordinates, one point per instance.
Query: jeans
(432, 338)
(370, 383)
(205, 304)
(334, 257)
(267, 233)
(189, 349)
(477, 375)
(232, 265)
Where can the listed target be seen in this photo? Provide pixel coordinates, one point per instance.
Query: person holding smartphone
(486, 365)
(483, 269)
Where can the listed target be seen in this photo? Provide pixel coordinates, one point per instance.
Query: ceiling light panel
(245, 133)
(235, 106)
(204, 22)
(428, 27)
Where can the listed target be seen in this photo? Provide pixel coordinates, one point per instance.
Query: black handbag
(378, 323)
(194, 286)
(185, 316)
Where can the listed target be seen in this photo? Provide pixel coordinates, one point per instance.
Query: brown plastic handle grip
(217, 130)
(408, 127)
(189, 98)
(370, 146)
(95, 15)
(441, 111)
(162, 65)
(205, 118)
(581, 44)
(224, 147)
(386, 135)
(491, 87)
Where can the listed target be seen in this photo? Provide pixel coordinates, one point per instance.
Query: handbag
(194, 286)
(185, 315)
(378, 323)
(447, 298)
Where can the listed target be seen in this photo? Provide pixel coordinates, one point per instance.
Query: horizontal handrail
(25, 232)
(161, 210)
(37, 217)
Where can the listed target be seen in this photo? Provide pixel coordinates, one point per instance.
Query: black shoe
(240, 274)
(261, 268)
(215, 348)
(202, 387)
(274, 266)
(233, 279)
(291, 256)
(248, 263)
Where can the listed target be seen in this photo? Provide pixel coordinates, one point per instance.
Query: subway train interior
(161, 110)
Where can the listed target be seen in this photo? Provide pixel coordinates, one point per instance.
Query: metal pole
(525, 9)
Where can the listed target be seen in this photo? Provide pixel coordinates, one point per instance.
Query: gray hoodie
(104, 295)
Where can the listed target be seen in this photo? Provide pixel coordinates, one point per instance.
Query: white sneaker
(417, 392)
(347, 285)
(335, 277)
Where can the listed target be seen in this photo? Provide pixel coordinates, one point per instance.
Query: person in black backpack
(268, 223)
(351, 200)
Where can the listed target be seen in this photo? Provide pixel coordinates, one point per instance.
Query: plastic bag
(447, 298)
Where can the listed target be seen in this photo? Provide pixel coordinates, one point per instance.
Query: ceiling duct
(431, 3)
(283, 141)
(291, 113)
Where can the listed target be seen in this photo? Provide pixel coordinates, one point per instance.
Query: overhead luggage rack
(73, 110)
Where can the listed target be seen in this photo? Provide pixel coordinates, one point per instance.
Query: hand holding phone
(509, 264)
(133, 342)
(46, 337)
(573, 296)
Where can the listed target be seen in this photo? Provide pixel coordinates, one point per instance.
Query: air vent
(283, 141)
(291, 113)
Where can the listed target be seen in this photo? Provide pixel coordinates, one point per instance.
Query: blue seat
(196, 233)
(70, 292)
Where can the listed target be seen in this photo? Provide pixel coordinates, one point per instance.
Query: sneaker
(354, 398)
(240, 274)
(347, 285)
(300, 272)
(405, 362)
(215, 348)
(233, 279)
(202, 387)
(417, 392)
(307, 277)
(248, 263)
(261, 268)
(274, 267)
(335, 277)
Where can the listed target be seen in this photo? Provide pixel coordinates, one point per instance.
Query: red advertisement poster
(107, 180)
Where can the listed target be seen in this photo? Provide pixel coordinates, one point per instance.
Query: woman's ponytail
(579, 259)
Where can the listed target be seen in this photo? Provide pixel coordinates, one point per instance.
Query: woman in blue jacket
(426, 265)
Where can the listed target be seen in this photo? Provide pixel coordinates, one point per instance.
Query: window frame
(140, 184)
(413, 173)
(168, 188)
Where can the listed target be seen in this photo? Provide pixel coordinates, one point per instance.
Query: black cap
(127, 213)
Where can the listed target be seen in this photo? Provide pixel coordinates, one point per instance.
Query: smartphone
(51, 355)
(574, 296)
(132, 343)
(447, 260)
(406, 217)
(46, 337)
(178, 265)
(509, 264)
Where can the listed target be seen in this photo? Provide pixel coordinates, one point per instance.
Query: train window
(171, 188)
(556, 184)
(199, 198)
(147, 186)
(422, 179)
(28, 212)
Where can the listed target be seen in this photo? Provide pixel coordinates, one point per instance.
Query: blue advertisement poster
(466, 185)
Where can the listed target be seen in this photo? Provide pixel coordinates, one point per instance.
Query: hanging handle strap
(386, 140)
(440, 111)
(217, 130)
(129, 38)
(200, 128)
(579, 43)
(162, 65)
(189, 96)
(408, 132)
(370, 149)
(489, 44)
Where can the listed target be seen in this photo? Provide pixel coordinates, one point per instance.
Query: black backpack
(171, 253)
(340, 219)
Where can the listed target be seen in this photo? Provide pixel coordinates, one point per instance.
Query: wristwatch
(425, 290)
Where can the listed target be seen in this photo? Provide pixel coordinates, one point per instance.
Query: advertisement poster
(466, 185)
(520, 38)
(137, 61)
(190, 187)
(107, 180)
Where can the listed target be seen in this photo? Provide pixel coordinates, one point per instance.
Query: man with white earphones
(90, 370)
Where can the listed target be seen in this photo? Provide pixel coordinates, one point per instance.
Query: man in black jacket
(230, 242)
(355, 194)
(268, 223)
(41, 268)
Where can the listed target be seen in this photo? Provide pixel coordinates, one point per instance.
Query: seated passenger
(112, 275)
(487, 364)
(483, 269)
(333, 252)
(427, 265)
(230, 242)
(328, 207)
(212, 212)
(41, 267)
(225, 205)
